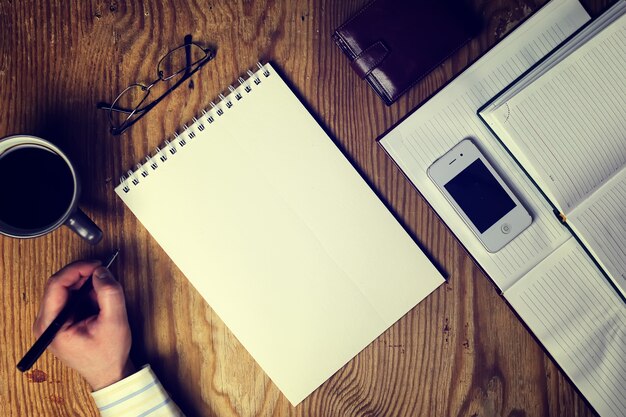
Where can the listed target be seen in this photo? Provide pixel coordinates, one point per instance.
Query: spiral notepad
(278, 232)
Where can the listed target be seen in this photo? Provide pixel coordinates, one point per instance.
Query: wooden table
(461, 352)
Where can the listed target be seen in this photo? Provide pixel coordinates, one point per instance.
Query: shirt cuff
(139, 394)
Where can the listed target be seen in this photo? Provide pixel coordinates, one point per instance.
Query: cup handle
(84, 227)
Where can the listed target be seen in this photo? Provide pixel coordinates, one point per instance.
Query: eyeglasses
(175, 67)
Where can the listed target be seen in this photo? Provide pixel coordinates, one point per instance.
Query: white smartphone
(479, 195)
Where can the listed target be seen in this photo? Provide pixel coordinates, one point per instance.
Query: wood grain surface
(461, 352)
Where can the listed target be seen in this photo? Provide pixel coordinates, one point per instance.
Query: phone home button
(506, 228)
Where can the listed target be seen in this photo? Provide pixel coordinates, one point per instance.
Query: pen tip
(112, 258)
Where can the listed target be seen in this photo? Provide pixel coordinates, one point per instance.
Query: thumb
(109, 295)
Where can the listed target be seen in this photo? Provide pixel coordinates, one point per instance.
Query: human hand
(98, 346)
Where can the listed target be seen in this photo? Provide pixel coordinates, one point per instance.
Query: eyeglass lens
(128, 102)
(180, 60)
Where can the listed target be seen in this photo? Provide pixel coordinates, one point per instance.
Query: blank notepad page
(282, 237)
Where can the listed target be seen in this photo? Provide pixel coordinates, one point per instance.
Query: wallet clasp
(369, 59)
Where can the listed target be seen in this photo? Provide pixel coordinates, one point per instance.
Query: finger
(109, 295)
(93, 297)
(70, 275)
(57, 290)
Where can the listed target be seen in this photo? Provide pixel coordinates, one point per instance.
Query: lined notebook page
(280, 235)
(580, 38)
(599, 222)
(573, 310)
(571, 122)
(451, 116)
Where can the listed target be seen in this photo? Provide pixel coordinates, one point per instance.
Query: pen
(48, 335)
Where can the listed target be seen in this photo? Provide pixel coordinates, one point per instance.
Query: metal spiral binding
(188, 132)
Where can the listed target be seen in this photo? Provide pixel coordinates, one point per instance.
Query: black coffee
(36, 187)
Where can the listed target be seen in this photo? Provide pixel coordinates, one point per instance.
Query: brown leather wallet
(395, 43)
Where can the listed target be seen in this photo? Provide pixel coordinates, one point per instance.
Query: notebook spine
(189, 132)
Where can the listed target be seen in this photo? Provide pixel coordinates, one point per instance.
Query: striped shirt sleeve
(138, 395)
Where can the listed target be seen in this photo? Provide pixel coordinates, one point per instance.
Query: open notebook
(278, 232)
(545, 274)
(565, 123)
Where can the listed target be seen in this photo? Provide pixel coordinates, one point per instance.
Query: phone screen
(479, 195)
